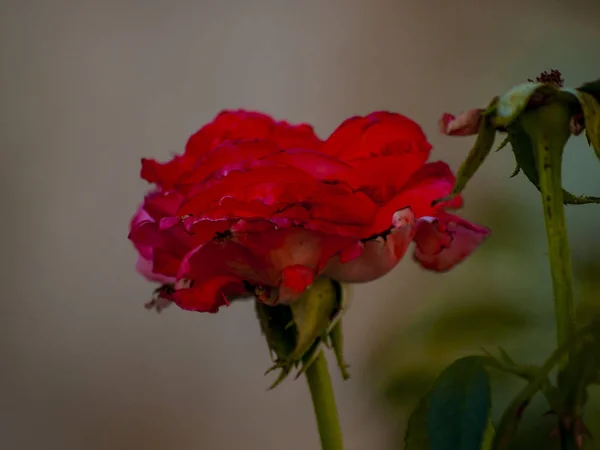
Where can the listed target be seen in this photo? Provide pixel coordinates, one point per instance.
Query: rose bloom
(257, 207)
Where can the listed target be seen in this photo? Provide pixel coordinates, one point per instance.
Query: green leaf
(476, 322)
(459, 406)
(488, 435)
(591, 114)
(416, 437)
(514, 102)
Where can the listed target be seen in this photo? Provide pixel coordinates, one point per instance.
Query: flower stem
(321, 391)
(548, 128)
(549, 131)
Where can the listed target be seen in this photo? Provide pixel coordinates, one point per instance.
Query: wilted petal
(379, 255)
(465, 124)
(446, 241)
(431, 182)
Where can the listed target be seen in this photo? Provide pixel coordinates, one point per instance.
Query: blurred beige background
(88, 88)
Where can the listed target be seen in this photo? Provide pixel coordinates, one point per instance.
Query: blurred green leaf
(488, 435)
(583, 369)
(410, 384)
(459, 406)
(485, 321)
(416, 431)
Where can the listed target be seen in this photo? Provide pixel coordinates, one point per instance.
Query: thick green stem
(548, 128)
(326, 413)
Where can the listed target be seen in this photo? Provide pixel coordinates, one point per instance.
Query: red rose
(259, 207)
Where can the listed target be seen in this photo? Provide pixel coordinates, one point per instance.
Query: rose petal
(294, 281)
(229, 156)
(319, 165)
(379, 255)
(465, 124)
(429, 183)
(208, 296)
(144, 266)
(447, 241)
(379, 134)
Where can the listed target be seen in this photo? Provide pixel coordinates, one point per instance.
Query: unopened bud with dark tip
(553, 77)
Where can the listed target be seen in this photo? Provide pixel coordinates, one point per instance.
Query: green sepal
(591, 115)
(334, 335)
(523, 149)
(592, 88)
(503, 144)
(513, 103)
(296, 332)
(312, 314)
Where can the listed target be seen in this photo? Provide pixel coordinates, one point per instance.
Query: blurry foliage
(501, 301)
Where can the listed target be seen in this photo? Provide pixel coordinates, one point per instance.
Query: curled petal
(465, 124)
(432, 181)
(446, 240)
(379, 255)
